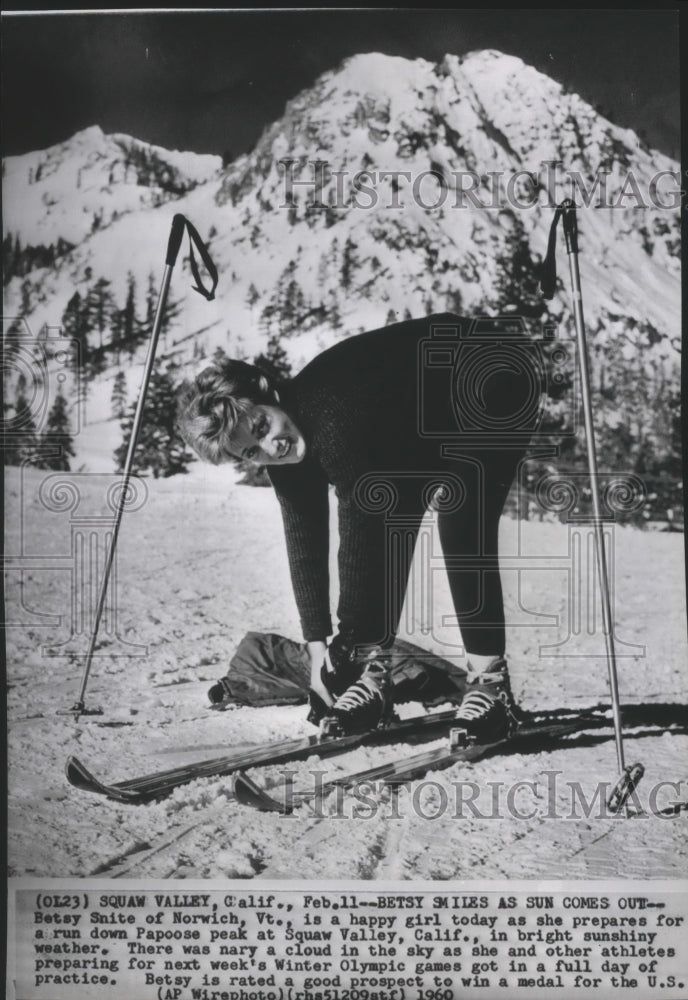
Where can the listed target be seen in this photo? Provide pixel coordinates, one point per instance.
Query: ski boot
(488, 712)
(366, 704)
(341, 669)
(220, 696)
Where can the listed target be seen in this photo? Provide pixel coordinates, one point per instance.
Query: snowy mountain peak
(92, 134)
(72, 189)
(493, 59)
(373, 72)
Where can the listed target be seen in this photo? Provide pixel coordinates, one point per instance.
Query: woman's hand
(316, 654)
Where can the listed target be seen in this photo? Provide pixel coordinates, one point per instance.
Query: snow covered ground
(202, 562)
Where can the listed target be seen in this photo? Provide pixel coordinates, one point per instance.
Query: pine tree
(81, 396)
(252, 296)
(20, 444)
(349, 263)
(58, 437)
(117, 334)
(26, 297)
(11, 337)
(130, 325)
(99, 307)
(323, 269)
(334, 315)
(274, 361)
(268, 324)
(294, 307)
(119, 395)
(517, 288)
(151, 301)
(288, 301)
(75, 326)
(159, 450)
(170, 311)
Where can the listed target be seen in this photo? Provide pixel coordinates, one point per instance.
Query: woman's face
(265, 435)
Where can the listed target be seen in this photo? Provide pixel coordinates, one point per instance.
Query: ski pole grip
(570, 226)
(175, 240)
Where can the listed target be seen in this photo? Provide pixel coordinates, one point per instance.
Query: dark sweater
(357, 406)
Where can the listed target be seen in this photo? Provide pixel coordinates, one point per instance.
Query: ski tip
(77, 774)
(80, 777)
(245, 789)
(248, 793)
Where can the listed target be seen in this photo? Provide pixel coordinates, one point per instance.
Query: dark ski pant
(479, 470)
(477, 488)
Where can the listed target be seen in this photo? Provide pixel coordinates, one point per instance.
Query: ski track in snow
(203, 562)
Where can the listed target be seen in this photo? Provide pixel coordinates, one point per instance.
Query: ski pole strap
(179, 224)
(548, 273)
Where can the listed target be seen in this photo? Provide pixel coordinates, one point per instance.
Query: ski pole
(629, 776)
(179, 224)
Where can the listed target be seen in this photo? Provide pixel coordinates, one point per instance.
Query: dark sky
(211, 81)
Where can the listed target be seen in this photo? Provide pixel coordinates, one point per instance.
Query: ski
(151, 786)
(399, 772)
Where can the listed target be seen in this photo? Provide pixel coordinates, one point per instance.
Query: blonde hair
(210, 406)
